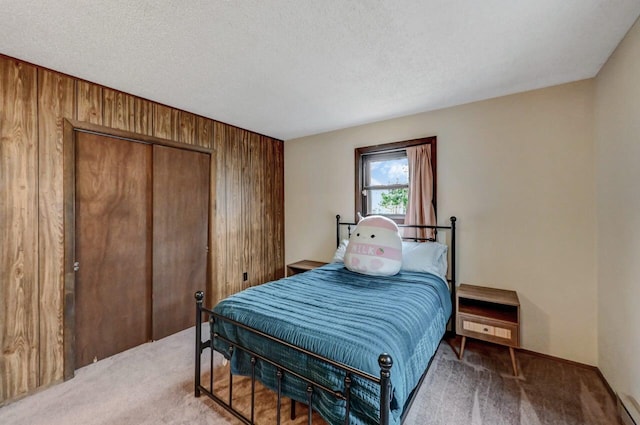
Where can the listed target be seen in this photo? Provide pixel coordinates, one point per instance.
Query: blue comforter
(345, 316)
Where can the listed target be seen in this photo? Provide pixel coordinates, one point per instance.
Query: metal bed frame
(385, 361)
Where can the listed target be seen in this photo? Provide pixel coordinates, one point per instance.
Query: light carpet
(153, 384)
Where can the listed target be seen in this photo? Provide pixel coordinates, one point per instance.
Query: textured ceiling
(290, 68)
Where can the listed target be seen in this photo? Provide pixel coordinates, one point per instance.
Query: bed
(353, 347)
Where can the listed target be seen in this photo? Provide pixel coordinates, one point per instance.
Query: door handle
(76, 266)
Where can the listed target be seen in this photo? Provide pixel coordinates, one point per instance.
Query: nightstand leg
(464, 339)
(513, 361)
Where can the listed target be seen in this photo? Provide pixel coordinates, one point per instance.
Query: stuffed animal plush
(375, 247)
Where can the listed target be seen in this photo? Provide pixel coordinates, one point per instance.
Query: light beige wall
(617, 136)
(518, 173)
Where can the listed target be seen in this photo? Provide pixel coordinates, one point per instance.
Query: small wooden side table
(488, 314)
(303, 266)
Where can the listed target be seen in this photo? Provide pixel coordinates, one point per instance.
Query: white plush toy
(375, 247)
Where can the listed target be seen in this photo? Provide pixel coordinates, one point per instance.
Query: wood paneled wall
(248, 231)
(18, 229)
(249, 217)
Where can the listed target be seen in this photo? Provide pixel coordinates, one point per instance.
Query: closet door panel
(113, 246)
(180, 236)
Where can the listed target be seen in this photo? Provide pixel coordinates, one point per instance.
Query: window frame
(366, 159)
(367, 151)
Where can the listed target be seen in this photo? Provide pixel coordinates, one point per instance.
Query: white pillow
(430, 257)
(338, 256)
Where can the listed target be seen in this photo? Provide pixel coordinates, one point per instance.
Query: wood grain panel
(89, 102)
(265, 188)
(278, 238)
(113, 246)
(274, 228)
(187, 128)
(267, 232)
(204, 129)
(180, 236)
(235, 223)
(220, 213)
(165, 122)
(251, 209)
(143, 116)
(118, 110)
(262, 166)
(56, 100)
(247, 202)
(18, 229)
(255, 211)
(269, 254)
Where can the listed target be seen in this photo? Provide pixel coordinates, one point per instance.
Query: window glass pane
(387, 171)
(387, 201)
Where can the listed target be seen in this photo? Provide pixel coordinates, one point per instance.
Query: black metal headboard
(452, 247)
(407, 226)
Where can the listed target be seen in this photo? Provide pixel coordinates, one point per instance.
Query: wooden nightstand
(488, 314)
(303, 266)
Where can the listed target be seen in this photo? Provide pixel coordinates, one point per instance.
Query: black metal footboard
(384, 380)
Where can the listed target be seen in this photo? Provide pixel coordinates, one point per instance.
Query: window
(382, 178)
(385, 188)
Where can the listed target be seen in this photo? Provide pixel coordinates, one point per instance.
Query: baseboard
(36, 390)
(628, 407)
(629, 410)
(606, 384)
(558, 359)
(612, 393)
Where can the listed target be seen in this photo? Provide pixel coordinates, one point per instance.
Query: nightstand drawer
(488, 329)
(477, 327)
(480, 328)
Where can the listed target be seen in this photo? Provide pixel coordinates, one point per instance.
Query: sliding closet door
(180, 236)
(113, 246)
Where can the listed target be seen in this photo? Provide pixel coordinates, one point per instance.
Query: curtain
(420, 206)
